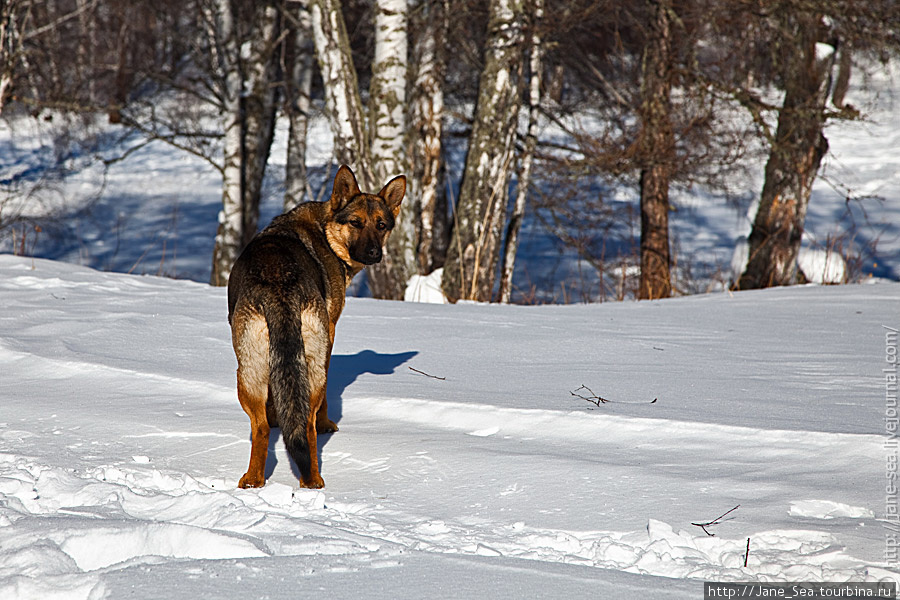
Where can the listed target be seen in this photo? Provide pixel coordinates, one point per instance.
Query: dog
(285, 295)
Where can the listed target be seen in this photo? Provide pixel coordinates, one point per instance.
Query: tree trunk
(9, 47)
(794, 158)
(656, 146)
(387, 125)
(229, 235)
(471, 268)
(427, 109)
(298, 69)
(260, 106)
(250, 100)
(426, 127)
(342, 100)
(524, 180)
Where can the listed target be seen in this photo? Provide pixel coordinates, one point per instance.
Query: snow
(425, 288)
(822, 266)
(122, 440)
(824, 51)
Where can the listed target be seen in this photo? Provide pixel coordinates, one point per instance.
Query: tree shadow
(342, 372)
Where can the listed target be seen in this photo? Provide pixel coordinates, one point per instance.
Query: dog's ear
(345, 187)
(393, 192)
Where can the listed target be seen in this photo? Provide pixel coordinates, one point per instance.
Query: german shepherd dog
(285, 294)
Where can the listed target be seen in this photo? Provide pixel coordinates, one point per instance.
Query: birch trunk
(471, 267)
(342, 100)
(656, 145)
(387, 121)
(229, 235)
(387, 90)
(299, 71)
(9, 47)
(250, 100)
(794, 159)
(260, 104)
(524, 180)
(426, 127)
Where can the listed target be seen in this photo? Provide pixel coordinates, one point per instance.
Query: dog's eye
(356, 224)
(381, 225)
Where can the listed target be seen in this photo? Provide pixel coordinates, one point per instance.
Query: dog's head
(360, 223)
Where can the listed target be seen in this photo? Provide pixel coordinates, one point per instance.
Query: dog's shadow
(342, 372)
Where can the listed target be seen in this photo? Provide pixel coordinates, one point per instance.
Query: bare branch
(593, 398)
(717, 521)
(427, 374)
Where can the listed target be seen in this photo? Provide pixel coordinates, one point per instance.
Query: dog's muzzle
(371, 255)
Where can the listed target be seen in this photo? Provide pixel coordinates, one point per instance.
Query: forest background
(580, 117)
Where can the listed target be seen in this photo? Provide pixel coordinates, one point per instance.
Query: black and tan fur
(285, 294)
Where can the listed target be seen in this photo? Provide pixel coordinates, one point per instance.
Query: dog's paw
(326, 426)
(315, 482)
(251, 481)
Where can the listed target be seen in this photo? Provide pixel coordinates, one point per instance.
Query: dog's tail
(289, 387)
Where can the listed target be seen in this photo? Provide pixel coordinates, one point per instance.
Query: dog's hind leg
(254, 406)
(314, 327)
(251, 345)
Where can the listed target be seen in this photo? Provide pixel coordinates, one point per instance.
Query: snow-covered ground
(121, 443)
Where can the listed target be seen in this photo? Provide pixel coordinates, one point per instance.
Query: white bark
(534, 102)
(426, 125)
(387, 123)
(298, 105)
(342, 100)
(230, 231)
(9, 47)
(249, 104)
(258, 110)
(387, 91)
(474, 250)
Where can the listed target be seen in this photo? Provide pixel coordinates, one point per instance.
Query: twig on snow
(598, 400)
(427, 374)
(715, 521)
(593, 398)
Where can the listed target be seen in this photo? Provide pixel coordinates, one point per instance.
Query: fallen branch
(593, 398)
(717, 521)
(747, 554)
(427, 374)
(598, 400)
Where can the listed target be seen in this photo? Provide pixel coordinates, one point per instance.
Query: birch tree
(342, 99)
(248, 59)
(428, 70)
(299, 56)
(471, 268)
(535, 67)
(377, 146)
(230, 232)
(10, 44)
(388, 129)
